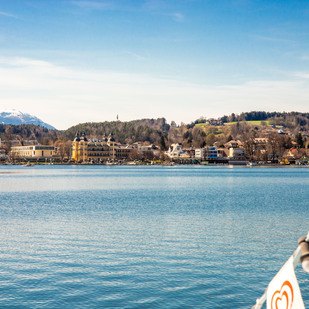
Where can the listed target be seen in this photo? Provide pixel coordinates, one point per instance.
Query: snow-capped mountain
(16, 117)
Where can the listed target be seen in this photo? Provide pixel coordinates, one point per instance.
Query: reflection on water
(147, 237)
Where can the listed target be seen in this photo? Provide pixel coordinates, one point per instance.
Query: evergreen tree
(162, 143)
(299, 140)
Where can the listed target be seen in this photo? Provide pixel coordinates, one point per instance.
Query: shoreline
(270, 165)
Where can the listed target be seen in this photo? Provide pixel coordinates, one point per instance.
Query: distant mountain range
(16, 117)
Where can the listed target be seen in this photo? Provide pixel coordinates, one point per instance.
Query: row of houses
(108, 150)
(83, 150)
(176, 151)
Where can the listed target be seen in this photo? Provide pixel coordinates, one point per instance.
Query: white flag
(283, 291)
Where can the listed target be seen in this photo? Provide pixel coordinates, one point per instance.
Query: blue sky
(72, 61)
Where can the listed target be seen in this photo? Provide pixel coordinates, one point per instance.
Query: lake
(147, 236)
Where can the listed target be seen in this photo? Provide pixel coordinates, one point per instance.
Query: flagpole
(300, 254)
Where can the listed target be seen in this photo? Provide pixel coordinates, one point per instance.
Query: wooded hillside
(157, 131)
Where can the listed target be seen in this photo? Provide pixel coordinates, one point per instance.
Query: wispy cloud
(272, 39)
(304, 75)
(163, 8)
(23, 62)
(304, 57)
(53, 92)
(7, 14)
(178, 17)
(153, 7)
(135, 55)
(94, 5)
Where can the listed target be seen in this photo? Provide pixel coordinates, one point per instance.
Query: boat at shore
(237, 162)
(28, 164)
(111, 163)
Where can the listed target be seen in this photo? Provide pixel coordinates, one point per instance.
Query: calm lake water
(147, 237)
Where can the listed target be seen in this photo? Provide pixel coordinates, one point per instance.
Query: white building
(175, 151)
(33, 152)
(199, 153)
(208, 153)
(211, 152)
(237, 153)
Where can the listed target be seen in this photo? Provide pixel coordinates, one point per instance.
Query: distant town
(249, 138)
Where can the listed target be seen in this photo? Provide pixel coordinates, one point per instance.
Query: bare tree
(272, 145)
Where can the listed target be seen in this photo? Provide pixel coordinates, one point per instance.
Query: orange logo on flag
(283, 299)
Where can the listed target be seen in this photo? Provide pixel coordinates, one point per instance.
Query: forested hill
(158, 131)
(291, 118)
(149, 130)
(23, 132)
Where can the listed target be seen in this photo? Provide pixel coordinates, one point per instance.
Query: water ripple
(184, 237)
